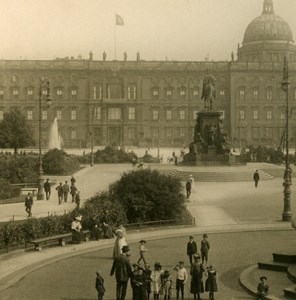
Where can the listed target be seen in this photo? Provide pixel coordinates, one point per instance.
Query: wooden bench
(60, 238)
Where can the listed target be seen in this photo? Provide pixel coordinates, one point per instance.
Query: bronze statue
(208, 91)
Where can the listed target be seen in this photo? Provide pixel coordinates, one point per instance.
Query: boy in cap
(100, 285)
(191, 248)
(262, 288)
(181, 278)
(204, 249)
(142, 249)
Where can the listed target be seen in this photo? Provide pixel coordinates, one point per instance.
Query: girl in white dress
(156, 280)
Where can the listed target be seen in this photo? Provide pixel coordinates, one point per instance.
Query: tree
(14, 131)
(147, 195)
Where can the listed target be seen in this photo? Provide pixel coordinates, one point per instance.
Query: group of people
(146, 281)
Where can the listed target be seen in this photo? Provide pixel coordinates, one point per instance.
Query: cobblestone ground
(73, 278)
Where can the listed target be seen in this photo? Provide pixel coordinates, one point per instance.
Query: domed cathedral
(267, 38)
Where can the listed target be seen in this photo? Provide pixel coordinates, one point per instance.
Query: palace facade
(154, 103)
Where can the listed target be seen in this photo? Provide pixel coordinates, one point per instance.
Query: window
(256, 94)
(44, 115)
(242, 94)
(268, 132)
(222, 92)
(15, 94)
(182, 114)
(114, 113)
(155, 115)
(44, 92)
(59, 114)
(73, 114)
(255, 132)
(114, 91)
(242, 114)
(98, 113)
(1, 94)
(269, 114)
(95, 92)
(30, 115)
(73, 94)
(168, 132)
(255, 115)
(131, 113)
(1, 114)
(73, 134)
(131, 133)
(155, 93)
(169, 93)
(131, 92)
(155, 132)
(59, 94)
(283, 116)
(182, 92)
(29, 94)
(269, 94)
(168, 114)
(195, 114)
(182, 132)
(195, 92)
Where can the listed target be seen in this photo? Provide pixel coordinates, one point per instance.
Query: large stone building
(154, 103)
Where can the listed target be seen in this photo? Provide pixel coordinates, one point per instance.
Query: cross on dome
(268, 7)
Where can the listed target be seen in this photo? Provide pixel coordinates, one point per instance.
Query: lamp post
(287, 215)
(40, 193)
(92, 139)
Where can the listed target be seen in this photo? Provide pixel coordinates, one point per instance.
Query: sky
(184, 30)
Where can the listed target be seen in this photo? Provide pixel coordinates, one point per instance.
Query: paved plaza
(232, 213)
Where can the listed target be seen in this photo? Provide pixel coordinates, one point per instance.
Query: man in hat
(191, 248)
(29, 204)
(47, 189)
(181, 278)
(76, 230)
(204, 248)
(262, 289)
(142, 249)
(256, 178)
(60, 190)
(123, 271)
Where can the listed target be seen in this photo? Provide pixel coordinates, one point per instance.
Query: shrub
(112, 154)
(7, 191)
(147, 195)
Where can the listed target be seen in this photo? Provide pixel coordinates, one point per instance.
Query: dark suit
(123, 271)
(191, 250)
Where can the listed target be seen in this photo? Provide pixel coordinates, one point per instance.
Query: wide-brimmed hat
(205, 235)
(157, 264)
(125, 249)
(78, 218)
(263, 277)
(143, 241)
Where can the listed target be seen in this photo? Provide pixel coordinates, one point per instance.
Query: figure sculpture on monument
(208, 91)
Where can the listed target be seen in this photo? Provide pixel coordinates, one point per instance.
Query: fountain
(55, 140)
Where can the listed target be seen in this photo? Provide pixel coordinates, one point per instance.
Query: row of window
(268, 94)
(255, 114)
(260, 132)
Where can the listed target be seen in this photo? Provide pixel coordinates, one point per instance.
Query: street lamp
(287, 215)
(92, 139)
(40, 193)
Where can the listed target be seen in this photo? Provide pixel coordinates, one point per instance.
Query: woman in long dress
(119, 242)
(193, 187)
(156, 280)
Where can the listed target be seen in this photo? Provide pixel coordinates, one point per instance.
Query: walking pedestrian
(47, 189)
(211, 282)
(73, 180)
(123, 271)
(73, 191)
(29, 204)
(100, 285)
(191, 248)
(60, 190)
(156, 280)
(76, 230)
(78, 199)
(204, 249)
(142, 249)
(262, 288)
(196, 272)
(256, 178)
(188, 188)
(181, 278)
(66, 190)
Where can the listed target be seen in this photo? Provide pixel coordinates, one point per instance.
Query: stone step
(284, 258)
(292, 273)
(290, 292)
(273, 266)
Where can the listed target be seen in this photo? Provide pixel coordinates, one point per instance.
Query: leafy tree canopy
(14, 131)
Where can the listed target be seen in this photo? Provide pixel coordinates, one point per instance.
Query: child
(166, 285)
(100, 285)
(181, 278)
(148, 272)
(211, 282)
(262, 289)
(204, 249)
(142, 249)
(155, 280)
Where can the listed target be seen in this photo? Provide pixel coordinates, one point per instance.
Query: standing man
(73, 191)
(77, 199)
(66, 190)
(191, 248)
(256, 178)
(29, 204)
(188, 188)
(60, 192)
(47, 189)
(123, 271)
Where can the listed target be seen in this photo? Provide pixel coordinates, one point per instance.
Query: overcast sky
(176, 29)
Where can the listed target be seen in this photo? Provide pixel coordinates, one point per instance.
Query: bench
(26, 190)
(60, 238)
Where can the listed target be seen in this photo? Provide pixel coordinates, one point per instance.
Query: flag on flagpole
(119, 20)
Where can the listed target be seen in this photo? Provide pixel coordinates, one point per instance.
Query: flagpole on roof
(115, 37)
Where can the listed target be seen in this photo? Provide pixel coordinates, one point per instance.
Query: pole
(40, 193)
(287, 215)
(115, 40)
(92, 139)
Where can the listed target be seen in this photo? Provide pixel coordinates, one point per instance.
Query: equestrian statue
(208, 91)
